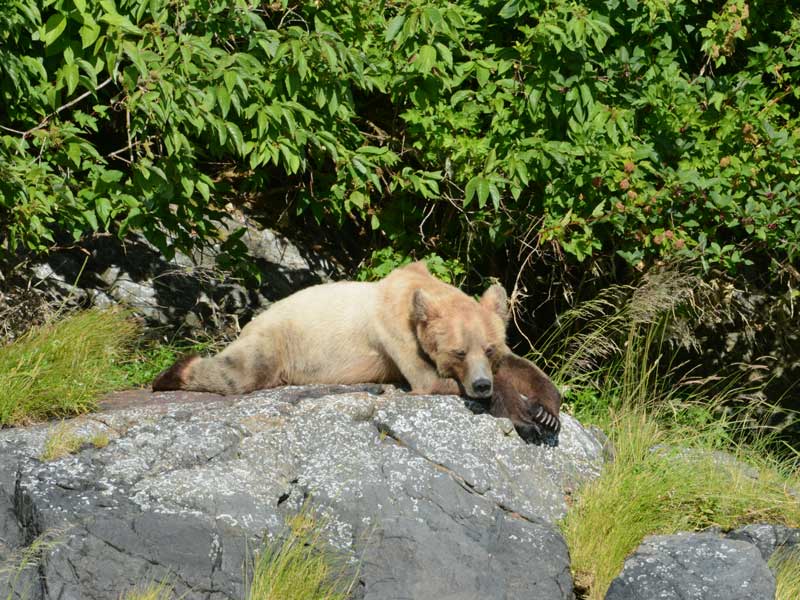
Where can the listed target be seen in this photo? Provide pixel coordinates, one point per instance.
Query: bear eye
(489, 351)
(459, 353)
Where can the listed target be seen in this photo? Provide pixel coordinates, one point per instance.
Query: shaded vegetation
(592, 129)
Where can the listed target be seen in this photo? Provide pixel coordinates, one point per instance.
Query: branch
(61, 108)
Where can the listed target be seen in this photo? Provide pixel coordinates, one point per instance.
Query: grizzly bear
(409, 327)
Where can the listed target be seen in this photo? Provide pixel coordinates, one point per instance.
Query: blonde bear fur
(409, 327)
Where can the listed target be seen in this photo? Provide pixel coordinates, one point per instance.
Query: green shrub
(60, 369)
(642, 129)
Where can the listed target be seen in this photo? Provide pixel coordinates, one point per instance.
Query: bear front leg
(419, 373)
(526, 396)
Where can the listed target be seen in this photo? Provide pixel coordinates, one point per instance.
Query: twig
(61, 108)
(17, 131)
(128, 130)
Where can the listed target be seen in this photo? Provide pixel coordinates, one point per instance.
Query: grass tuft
(99, 440)
(59, 369)
(300, 567)
(689, 454)
(786, 566)
(61, 441)
(151, 591)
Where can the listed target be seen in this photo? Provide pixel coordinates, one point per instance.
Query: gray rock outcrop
(768, 538)
(191, 293)
(694, 566)
(420, 496)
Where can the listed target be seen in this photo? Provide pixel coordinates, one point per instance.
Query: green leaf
(89, 32)
(54, 28)
(394, 26)
(483, 191)
(494, 191)
(236, 136)
(71, 77)
(426, 58)
(469, 190)
(230, 78)
(223, 100)
(359, 199)
(103, 208)
(510, 9)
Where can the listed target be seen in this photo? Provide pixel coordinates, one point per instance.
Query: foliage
(641, 129)
(384, 261)
(298, 567)
(59, 369)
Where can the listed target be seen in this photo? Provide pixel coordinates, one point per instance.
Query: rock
(421, 497)
(688, 566)
(767, 538)
(188, 292)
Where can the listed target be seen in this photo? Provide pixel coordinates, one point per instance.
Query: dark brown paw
(538, 414)
(173, 378)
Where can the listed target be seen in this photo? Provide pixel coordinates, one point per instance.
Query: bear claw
(538, 414)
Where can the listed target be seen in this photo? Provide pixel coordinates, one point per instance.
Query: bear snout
(482, 387)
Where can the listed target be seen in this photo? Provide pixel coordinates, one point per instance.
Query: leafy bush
(642, 129)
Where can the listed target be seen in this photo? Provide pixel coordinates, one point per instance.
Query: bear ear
(418, 267)
(496, 300)
(424, 307)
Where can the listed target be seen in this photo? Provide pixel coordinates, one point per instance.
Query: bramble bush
(644, 129)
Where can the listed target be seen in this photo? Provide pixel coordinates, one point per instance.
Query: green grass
(299, 567)
(150, 358)
(664, 480)
(150, 591)
(786, 566)
(61, 441)
(60, 369)
(688, 455)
